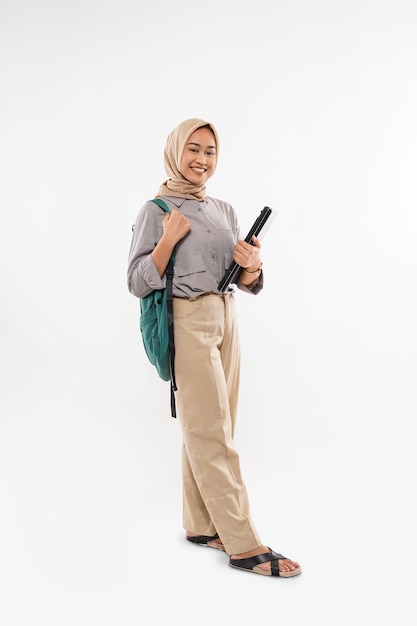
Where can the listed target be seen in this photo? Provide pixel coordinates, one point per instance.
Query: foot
(286, 567)
(213, 543)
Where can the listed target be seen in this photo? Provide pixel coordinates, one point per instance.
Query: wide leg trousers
(207, 368)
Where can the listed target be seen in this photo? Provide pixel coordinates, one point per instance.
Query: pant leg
(196, 517)
(207, 361)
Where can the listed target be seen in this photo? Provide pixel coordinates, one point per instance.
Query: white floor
(91, 532)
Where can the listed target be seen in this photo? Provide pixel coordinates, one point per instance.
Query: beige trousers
(207, 368)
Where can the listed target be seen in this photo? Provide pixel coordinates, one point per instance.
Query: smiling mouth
(199, 170)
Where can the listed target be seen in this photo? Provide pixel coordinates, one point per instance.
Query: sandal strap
(252, 561)
(203, 538)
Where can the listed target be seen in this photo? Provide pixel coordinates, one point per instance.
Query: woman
(207, 237)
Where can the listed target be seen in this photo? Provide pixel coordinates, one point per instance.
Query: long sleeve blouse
(201, 257)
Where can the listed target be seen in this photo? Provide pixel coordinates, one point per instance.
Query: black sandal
(204, 540)
(251, 562)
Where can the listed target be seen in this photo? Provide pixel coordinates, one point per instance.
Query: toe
(287, 565)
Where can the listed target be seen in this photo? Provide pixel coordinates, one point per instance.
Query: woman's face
(199, 158)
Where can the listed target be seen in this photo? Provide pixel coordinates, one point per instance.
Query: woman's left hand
(247, 255)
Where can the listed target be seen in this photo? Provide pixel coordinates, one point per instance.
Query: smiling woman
(206, 235)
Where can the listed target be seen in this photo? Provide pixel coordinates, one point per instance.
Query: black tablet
(232, 273)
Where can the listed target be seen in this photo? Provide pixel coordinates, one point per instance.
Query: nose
(201, 158)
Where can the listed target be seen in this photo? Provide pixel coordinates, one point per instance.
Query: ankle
(247, 555)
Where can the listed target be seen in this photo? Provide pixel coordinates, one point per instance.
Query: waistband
(224, 296)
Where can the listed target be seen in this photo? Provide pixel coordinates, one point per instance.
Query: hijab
(176, 184)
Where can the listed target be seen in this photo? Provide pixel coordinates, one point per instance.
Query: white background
(315, 104)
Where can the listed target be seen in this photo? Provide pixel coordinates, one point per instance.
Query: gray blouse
(201, 257)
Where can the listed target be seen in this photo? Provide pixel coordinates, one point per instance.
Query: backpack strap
(169, 272)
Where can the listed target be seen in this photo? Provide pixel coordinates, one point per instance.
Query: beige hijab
(177, 185)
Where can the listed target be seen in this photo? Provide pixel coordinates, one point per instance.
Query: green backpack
(157, 325)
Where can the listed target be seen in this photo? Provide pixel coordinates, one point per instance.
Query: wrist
(257, 271)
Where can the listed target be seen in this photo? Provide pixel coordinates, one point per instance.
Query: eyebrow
(194, 143)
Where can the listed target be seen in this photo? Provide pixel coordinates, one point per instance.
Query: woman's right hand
(175, 226)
